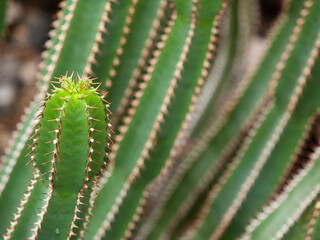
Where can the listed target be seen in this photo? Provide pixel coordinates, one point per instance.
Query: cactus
(69, 150)
(205, 145)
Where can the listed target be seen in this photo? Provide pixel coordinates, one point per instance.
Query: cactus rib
(150, 48)
(126, 31)
(23, 202)
(22, 134)
(98, 39)
(133, 103)
(54, 49)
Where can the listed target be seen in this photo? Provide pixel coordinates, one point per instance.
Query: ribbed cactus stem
(69, 151)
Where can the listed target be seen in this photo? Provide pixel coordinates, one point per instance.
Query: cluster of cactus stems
(205, 144)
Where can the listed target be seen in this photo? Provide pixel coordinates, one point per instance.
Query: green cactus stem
(69, 151)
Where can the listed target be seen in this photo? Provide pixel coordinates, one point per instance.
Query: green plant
(202, 143)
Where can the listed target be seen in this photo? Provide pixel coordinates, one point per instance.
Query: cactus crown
(71, 86)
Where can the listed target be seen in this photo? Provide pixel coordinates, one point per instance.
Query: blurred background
(27, 25)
